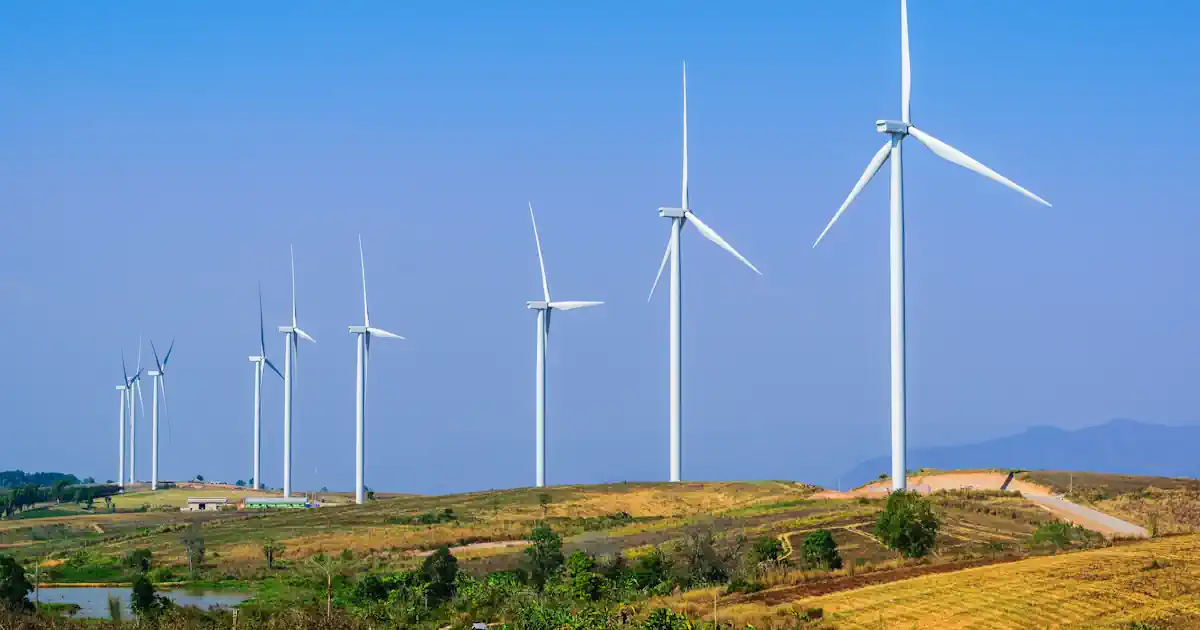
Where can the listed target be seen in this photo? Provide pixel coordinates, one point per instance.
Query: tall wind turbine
(897, 131)
(543, 309)
(292, 335)
(131, 384)
(121, 434)
(157, 383)
(259, 362)
(679, 217)
(365, 333)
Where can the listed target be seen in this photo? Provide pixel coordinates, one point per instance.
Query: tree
(544, 556)
(652, 569)
(139, 560)
(907, 524)
(142, 600)
(59, 490)
(370, 495)
(326, 566)
(439, 570)
(193, 544)
(271, 550)
(544, 501)
(239, 483)
(200, 478)
(820, 549)
(766, 550)
(14, 587)
(582, 578)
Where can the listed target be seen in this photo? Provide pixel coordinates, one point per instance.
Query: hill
(1120, 446)
(18, 478)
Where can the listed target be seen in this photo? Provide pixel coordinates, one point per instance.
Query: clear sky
(157, 159)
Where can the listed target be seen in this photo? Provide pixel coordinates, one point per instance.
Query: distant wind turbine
(543, 309)
(365, 333)
(121, 434)
(259, 362)
(679, 217)
(292, 335)
(131, 384)
(897, 132)
(156, 381)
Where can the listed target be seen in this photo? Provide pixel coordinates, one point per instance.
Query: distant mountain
(1120, 446)
(18, 478)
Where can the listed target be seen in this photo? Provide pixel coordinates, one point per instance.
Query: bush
(652, 570)
(14, 588)
(666, 619)
(582, 579)
(821, 550)
(907, 524)
(139, 560)
(142, 598)
(1055, 534)
(439, 570)
(766, 549)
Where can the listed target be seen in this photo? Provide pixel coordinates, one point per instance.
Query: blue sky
(157, 159)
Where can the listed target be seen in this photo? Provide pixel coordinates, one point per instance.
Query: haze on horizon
(156, 161)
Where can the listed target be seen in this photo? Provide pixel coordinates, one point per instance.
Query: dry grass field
(1155, 582)
(177, 497)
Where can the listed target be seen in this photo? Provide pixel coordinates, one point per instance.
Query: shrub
(139, 560)
(439, 570)
(1055, 533)
(582, 579)
(821, 550)
(665, 619)
(14, 588)
(544, 556)
(142, 598)
(907, 524)
(766, 549)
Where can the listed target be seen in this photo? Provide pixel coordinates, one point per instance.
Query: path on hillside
(1088, 517)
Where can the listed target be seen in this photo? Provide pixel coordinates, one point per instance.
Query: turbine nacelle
(153, 373)
(673, 213)
(540, 305)
(255, 359)
(122, 387)
(892, 127)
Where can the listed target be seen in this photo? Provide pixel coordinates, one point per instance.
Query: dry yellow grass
(1150, 581)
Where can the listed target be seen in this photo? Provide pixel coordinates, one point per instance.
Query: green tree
(440, 570)
(652, 569)
(139, 560)
(239, 483)
(193, 544)
(666, 619)
(544, 556)
(767, 549)
(583, 580)
(14, 587)
(271, 550)
(907, 524)
(199, 477)
(820, 549)
(142, 599)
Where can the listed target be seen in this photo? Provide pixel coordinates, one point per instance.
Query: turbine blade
(262, 330)
(157, 363)
(379, 332)
(141, 399)
(167, 358)
(950, 154)
(363, 262)
(162, 384)
(881, 156)
(292, 250)
(663, 265)
(685, 150)
(303, 335)
(548, 311)
(569, 306)
(541, 261)
(712, 235)
(905, 71)
(139, 363)
(272, 366)
(124, 370)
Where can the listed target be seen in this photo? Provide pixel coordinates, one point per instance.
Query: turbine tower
(132, 383)
(365, 333)
(259, 361)
(543, 309)
(292, 335)
(680, 217)
(897, 131)
(156, 380)
(121, 437)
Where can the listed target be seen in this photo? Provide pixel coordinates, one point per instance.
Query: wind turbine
(260, 361)
(291, 351)
(121, 435)
(157, 383)
(132, 383)
(543, 309)
(365, 333)
(679, 217)
(897, 131)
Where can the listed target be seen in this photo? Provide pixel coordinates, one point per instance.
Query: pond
(93, 600)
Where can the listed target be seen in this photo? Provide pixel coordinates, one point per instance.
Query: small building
(275, 503)
(204, 504)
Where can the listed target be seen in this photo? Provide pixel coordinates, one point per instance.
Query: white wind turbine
(131, 384)
(679, 217)
(292, 334)
(260, 362)
(897, 131)
(121, 434)
(543, 309)
(365, 333)
(156, 380)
